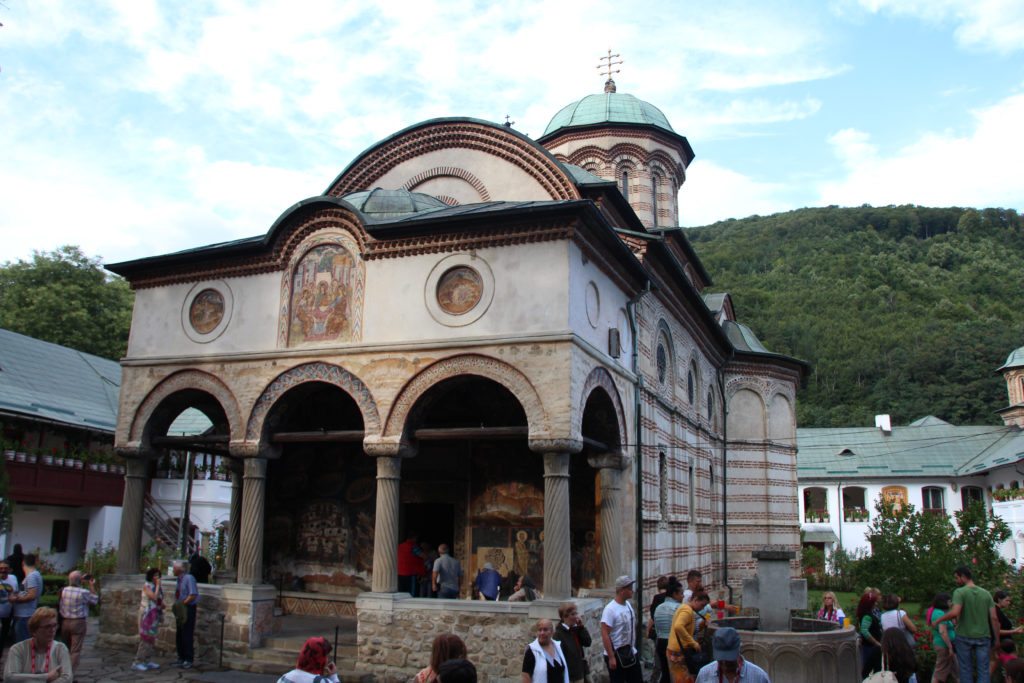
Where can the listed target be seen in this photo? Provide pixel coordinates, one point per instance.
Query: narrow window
(711, 406)
(689, 386)
(693, 495)
(655, 182)
(933, 500)
(663, 485)
(624, 186)
(59, 535)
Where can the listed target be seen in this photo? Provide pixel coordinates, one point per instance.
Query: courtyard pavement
(104, 665)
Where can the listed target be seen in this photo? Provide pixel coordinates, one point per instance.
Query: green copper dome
(382, 204)
(1014, 360)
(608, 107)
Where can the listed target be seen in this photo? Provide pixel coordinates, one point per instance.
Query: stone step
(294, 642)
(344, 650)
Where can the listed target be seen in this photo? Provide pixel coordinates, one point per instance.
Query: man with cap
(729, 665)
(618, 631)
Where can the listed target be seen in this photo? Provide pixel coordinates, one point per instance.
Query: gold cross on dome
(608, 62)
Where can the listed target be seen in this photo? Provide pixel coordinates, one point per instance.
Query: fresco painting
(322, 290)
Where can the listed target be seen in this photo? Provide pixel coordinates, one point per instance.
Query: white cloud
(940, 168)
(981, 24)
(713, 193)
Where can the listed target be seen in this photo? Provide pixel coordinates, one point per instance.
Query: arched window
(933, 500)
(711, 406)
(691, 383)
(816, 504)
(655, 184)
(855, 504)
(624, 184)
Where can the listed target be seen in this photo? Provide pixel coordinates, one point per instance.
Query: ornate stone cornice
(366, 171)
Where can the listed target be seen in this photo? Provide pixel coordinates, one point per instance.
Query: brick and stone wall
(396, 632)
(248, 615)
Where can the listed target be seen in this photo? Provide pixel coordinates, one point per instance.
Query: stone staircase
(280, 651)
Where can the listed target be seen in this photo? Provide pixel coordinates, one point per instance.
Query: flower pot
(103, 467)
(21, 456)
(59, 462)
(121, 469)
(31, 459)
(9, 454)
(91, 466)
(78, 464)
(47, 459)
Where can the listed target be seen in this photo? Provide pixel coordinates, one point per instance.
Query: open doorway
(432, 523)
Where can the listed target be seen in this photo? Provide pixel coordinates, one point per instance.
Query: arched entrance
(320, 497)
(474, 483)
(596, 475)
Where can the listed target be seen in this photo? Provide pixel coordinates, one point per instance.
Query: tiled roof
(47, 381)
(928, 447)
(608, 108)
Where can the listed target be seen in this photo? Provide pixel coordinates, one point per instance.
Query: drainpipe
(725, 477)
(637, 387)
(841, 517)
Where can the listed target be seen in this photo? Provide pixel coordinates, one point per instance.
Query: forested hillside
(901, 310)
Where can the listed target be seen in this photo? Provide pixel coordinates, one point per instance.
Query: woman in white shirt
(543, 661)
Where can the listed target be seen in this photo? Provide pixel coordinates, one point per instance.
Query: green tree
(979, 539)
(67, 298)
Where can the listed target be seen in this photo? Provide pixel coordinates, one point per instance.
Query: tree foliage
(901, 310)
(913, 554)
(67, 298)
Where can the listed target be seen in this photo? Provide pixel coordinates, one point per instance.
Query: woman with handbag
(894, 617)
(151, 614)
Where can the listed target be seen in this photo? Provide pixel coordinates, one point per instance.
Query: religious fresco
(206, 311)
(321, 303)
(319, 528)
(322, 292)
(459, 290)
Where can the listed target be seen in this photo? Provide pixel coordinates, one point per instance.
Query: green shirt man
(973, 608)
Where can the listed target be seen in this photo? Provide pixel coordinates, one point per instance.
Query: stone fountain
(791, 649)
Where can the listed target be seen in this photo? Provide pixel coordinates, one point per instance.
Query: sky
(134, 128)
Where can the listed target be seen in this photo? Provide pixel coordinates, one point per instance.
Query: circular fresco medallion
(459, 290)
(206, 311)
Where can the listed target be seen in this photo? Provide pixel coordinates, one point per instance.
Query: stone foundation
(396, 632)
(246, 612)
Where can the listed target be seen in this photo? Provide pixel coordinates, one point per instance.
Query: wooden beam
(208, 439)
(321, 436)
(451, 433)
(599, 446)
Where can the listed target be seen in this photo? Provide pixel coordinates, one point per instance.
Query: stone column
(557, 544)
(385, 541)
(129, 547)
(609, 465)
(234, 516)
(250, 548)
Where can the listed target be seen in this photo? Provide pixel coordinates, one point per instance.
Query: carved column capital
(380, 447)
(610, 460)
(255, 468)
(546, 445)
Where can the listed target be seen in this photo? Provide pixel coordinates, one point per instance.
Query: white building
(931, 464)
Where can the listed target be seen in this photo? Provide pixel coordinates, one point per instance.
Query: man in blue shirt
(186, 592)
(25, 603)
(729, 665)
(488, 581)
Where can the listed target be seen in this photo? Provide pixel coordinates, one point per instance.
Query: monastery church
(486, 340)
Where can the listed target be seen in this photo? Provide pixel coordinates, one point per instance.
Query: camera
(86, 577)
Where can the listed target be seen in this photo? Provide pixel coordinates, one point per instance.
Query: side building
(935, 466)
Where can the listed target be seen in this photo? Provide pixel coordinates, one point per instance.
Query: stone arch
(482, 366)
(781, 419)
(662, 332)
(449, 172)
(600, 378)
(746, 415)
(185, 380)
(314, 372)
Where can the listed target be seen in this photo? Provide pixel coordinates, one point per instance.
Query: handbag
(625, 656)
(883, 676)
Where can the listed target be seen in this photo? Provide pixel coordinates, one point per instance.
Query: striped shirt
(75, 601)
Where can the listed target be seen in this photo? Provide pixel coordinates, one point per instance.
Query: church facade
(478, 339)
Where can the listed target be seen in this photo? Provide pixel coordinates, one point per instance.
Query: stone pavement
(103, 666)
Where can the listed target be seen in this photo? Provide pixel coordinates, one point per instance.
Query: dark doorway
(433, 523)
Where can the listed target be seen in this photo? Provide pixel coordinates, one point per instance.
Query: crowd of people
(969, 631)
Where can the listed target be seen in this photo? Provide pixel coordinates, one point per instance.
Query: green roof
(44, 381)
(379, 203)
(928, 447)
(1014, 360)
(609, 107)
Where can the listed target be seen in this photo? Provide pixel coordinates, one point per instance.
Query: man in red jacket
(410, 565)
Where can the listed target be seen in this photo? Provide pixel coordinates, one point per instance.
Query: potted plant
(33, 457)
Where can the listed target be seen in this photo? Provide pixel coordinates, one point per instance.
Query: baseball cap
(624, 581)
(726, 644)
